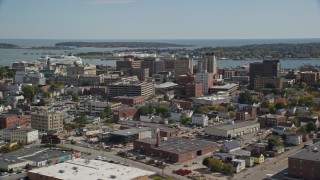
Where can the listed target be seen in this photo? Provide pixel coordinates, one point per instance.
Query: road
(270, 166)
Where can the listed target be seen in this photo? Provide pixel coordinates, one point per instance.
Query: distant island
(281, 51)
(52, 48)
(119, 44)
(8, 46)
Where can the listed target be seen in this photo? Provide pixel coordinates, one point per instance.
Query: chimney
(157, 137)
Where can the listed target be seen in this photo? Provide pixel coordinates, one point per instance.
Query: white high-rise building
(206, 79)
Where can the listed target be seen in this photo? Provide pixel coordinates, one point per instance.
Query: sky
(159, 19)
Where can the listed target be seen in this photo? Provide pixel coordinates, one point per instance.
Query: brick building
(125, 113)
(187, 87)
(11, 120)
(305, 163)
(128, 63)
(168, 132)
(309, 77)
(271, 120)
(175, 149)
(129, 100)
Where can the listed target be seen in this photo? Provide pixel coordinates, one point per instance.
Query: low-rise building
(125, 113)
(129, 100)
(294, 139)
(230, 146)
(271, 120)
(175, 149)
(24, 135)
(200, 120)
(212, 100)
(85, 169)
(11, 120)
(229, 88)
(305, 163)
(259, 159)
(45, 121)
(232, 129)
(238, 165)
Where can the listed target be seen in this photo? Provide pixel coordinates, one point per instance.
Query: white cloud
(111, 1)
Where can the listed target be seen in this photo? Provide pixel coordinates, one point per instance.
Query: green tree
(272, 109)
(30, 91)
(50, 139)
(302, 130)
(185, 120)
(245, 98)
(279, 105)
(295, 121)
(75, 97)
(311, 126)
(145, 110)
(228, 168)
(303, 85)
(172, 121)
(106, 112)
(166, 97)
(274, 142)
(163, 110)
(215, 165)
(205, 161)
(81, 120)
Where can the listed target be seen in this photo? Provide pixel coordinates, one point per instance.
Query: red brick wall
(10, 121)
(124, 113)
(303, 168)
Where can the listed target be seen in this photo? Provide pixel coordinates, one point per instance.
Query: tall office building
(268, 68)
(182, 66)
(155, 65)
(212, 63)
(202, 65)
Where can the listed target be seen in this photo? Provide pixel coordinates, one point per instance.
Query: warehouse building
(129, 135)
(88, 169)
(232, 129)
(174, 149)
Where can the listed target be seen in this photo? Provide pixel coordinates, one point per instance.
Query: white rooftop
(79, 169)
(165, 85)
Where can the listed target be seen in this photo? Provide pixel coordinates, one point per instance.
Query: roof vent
(61, 171)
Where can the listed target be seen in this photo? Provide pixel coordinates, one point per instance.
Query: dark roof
(177, 145)
(232, 144)
(311, 153)
(129, 132)
(285, 124)
(48, 154)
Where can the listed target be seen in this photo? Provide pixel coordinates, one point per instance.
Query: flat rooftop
(165, 85)
(132, 131)
(227, 126)
(226, 86)
(177, 145)
(93, 169)
(309, 153)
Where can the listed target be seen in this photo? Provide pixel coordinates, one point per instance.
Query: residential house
(306, 119)
(200, 120)
(259, 148)
(224, 157)
(294, 139)
(248, 160)
(278, 149)
(230, 146)
(259, 159)
(238, 165)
